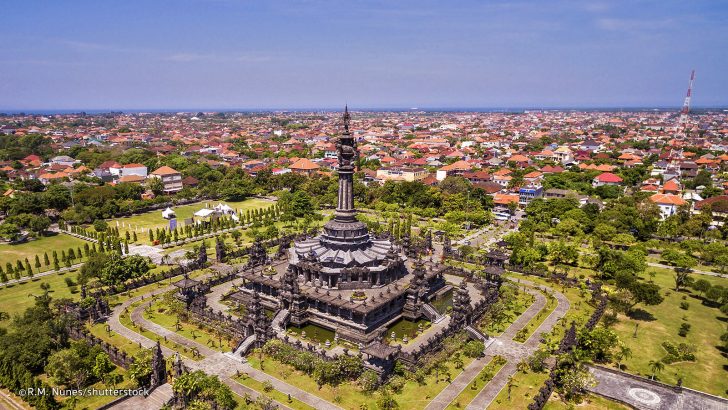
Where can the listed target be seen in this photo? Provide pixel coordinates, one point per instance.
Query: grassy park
(657, 324)
(153, 219)
(125, 320)
(57, 242)
(160, 314)
(19, 296)
(481, 380)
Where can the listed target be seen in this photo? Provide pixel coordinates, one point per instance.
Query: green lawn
(515, 308)
(274, 394)
(113, 338)
(707, 373)
(349, 396)
(524, 387)
(57, 242)
(154, 220)
(591, 402)
(125, 320)
(17, 297)
(159, 314)
(480, 381)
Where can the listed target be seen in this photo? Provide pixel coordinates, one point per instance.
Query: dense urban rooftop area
(414, 259)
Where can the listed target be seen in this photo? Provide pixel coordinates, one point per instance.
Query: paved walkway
(214, 297)
(463, 380)
(503, 345)
(513, 351)
(40, 275)
(157, 399)
(645, 394)
(699, 272)
(223, 365)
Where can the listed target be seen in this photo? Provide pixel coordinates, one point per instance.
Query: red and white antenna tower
(686, 105)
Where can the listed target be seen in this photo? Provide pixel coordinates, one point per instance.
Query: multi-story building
(401, 174)
(171, 179)
(529, 193)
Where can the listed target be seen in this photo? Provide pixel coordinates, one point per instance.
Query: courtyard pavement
(646, 394)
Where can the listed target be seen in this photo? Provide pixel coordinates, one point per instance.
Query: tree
(103, 366)
(39, 224)
(646, 293)
(563, 253)
(656, 366)
(702, 286)
(623, 352)
(386, 401)
(9, 231)
(155, 185)
(200, 390)
(140, 369)
(100, 225)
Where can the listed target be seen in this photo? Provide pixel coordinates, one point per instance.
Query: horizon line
(606, 108)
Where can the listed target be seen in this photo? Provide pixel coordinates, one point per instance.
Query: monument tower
(345, 256)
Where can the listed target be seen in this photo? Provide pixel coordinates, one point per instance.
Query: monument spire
(347, 154)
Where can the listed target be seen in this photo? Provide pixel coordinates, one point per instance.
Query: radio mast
(683, 121)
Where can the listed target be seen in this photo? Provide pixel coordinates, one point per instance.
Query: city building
(171, 179)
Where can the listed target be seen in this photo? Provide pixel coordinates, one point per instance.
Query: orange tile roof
(165, 170)
(503, 199)
(304, 164)
(667, 199)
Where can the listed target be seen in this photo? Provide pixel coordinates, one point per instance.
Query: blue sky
(374, 54)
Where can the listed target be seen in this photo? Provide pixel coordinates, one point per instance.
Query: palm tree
(656, 366)
(623, 353)
(511, 385)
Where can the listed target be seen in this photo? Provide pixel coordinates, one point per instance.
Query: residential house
(304, 166)
(606, 178)
(668, 204)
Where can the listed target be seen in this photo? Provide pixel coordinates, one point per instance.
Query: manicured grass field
(349, 396)
(113, 338)
(661, 324)
(18, 297)
(160, 315)
(274, 394)
(524, 387)
(57, 242)
(591, 402)
(154, 220)
(521, 302)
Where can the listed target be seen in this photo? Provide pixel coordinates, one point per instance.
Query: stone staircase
(156, 400)
(476, 334)
(280, 320)
(431, 313)
(246, 344)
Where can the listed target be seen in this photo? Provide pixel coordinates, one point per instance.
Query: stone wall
(119, 357)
